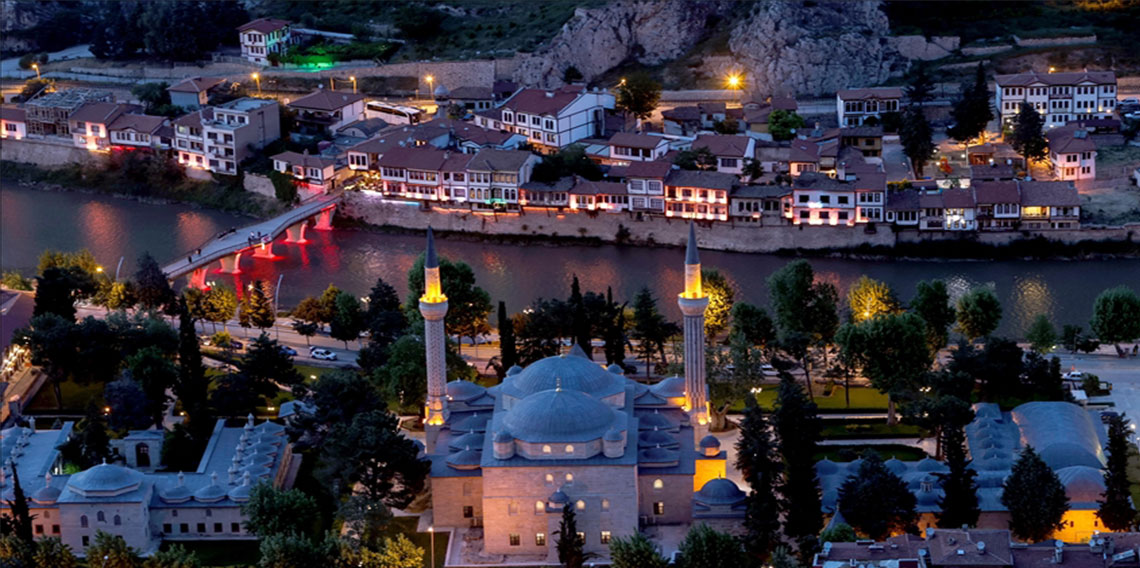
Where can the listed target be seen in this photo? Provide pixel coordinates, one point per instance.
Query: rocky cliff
(596, 40)
(787, 47)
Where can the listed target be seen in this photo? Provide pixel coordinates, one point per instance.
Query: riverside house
(263, 36)
(1059, 97)
(551, 119)
(855, 106)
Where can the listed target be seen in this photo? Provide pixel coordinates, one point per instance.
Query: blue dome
(105, 480)
(474, 423)
(720, 491)
(504, 437)
(47, 494)
(658, 456)
(656, 438)
(613, 435)
(466, 459)
(655, 420)
(672, 387)
(826, 467)
(559, 416)
(559, 498)
(514, 370)
(473, 440)
(710, 441)
(212, 492)
(463, 391)
(570, 372)
(1082, 484)
(895, 466)
(930, 464)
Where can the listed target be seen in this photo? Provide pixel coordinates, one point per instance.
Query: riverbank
(148, 186)
(567, 228)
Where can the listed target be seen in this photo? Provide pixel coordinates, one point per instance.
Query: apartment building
(626, 147)
(90, 124)
(494, 177)
(326, 111)
(998, 204)
(311, 173)
(695, 194)
(590, 195)
(1072, 153)
(821, 200)
(759, 203)
(541, 194)
(140, 131)
(1059, 97)
(189, 142)
(903, 209)
(489, 179)
(193, 93)
(731, 151)
(13, 123)
(855, 106)
(263, 36)
(551, 119)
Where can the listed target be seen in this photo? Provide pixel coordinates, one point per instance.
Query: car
(288, 350)
(1075, 375)
(322, 354)
(235, 344)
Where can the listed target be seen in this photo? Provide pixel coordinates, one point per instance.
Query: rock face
(598, 39)
(815, 47)
(19, 19)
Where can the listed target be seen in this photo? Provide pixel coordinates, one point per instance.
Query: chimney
(1058, 552)
(981, 547)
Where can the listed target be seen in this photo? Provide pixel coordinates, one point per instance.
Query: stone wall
(1124, 233)
(1054, 41)
(988, 50)
(451, 74)
(44, 152)
(259, 184)
(919, 47)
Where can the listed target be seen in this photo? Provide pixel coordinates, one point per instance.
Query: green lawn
(75, 398)
(223, 553)
(838, 430)
(863, 399)
(887, 451)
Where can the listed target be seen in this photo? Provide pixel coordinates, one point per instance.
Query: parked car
(235, 344)
(1078, 375)
(322, 354)
(288, 350)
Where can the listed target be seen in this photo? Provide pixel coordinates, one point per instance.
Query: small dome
(1082, 484)
(673, 387)
(930, 464)
(658, 456)
(211, 493)
(178, 493)
(504, 437)
(469, 440)
(465, 459)
(895, 466)
(514, 370)
(47, 493)
(559, 416)
(475, 423)
(928, 498)
(441, 92)
(559, 498)
(612, 435)
(241, 493)
(616, 369)
(655, 420)
(105, 480)
(463, 391)
(710, 441)
(656, 438)
(720, 491)
(826, 467)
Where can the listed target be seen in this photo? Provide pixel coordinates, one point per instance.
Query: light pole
(36, 66)
(431, 533)
(332, 84)
(353, 79)
(431, 90)
(257, 77)
(276, 296)
(734, 82)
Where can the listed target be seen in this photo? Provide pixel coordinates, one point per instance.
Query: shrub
(13, 280)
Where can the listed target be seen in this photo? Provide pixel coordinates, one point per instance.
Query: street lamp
(430, 81)
(734, 82)
(36, 66)
(353, 79)
(431, 533)
(257, 77)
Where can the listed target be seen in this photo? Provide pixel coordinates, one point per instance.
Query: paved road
(11, 67)
(895, 163)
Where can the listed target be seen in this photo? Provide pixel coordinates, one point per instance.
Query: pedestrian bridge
(228, 246)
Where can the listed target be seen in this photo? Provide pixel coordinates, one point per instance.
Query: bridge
(228, 246)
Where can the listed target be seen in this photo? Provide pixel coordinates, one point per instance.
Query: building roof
(418, 158)
(473, 93)
(101, 113)
(871, 93)
(69, 98)
(1063, 433)
(138, 123)
(904, 200)
(542, 101)
(818, 181)
(326, 100)
(587, 187)
(367, 126)
(559, 415)
(195, 118)
(492, 160)
(105, 480)
(682, 114)
(12, 114)
(1049, 194)
(569, 372)
(760, 191)
(1066, 78)
(195, 85)
(803, 151)
(1066, 140)
(700, 179)
(723, 145)
(656, 169)
(720, 491)
(992, 172)
(561, 184)
(632, 140)
(862, 131)
(306, 160)
(264, 25)
(958, 198)
(973, 547)
(987, 192)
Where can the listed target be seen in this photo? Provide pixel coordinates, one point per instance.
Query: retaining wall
(48, 153)
(259, 184)
(1054, 41)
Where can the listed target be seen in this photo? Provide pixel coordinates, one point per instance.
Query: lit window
(659, 508)
(581, 505)
(540, 539)
(569, 449)
(582, 537)
(514, 539)
(605, 504)
(539, 507)
(546, 449)
(658, 484)
(550, 478)
(569, 478)
(606, 537)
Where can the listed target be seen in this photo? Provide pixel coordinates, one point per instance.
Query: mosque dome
(929, 464)
(475, 423)
(241, 493)
(656, 438)
(471, 439)
(655, 420)
(613, 435)
(463, 391)
(672, 387)
(212, 492)
(826, 467)
(1082, 484)
(504, 437)
(895, 466)
(720, 491)
(441, 92)
(559, 416)
(570, 372)
(514, 370)
(616, 369)
(106, 480)
(177, 494)
(465, 459)
(559, 498)
(47, 493)
(710, 441)
(659, 457)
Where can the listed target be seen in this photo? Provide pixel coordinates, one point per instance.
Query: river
(31, 221)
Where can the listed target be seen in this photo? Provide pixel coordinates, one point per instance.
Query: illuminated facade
(1059, 97)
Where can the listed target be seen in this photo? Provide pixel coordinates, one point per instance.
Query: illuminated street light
(353, 79)
(36, 66)
(431, 85)
(257, 77)
(734, 81)
(99, 269)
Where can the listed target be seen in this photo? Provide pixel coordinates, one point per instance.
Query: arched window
(539, 507)
(546, 449)
(581, 505)
(550, 478)
(100, 517)
(569, 448)
(658, 484)
(605, 504)
(83, 521)
(569, 478)
(117, 520)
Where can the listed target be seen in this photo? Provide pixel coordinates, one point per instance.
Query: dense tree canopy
(979, 313)
(1116, 315)
(1035, 498)
(638, 95)
(876, 502)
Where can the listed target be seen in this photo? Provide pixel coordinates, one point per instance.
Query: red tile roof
(1067, 140)
(958, 198)
(1070, 78)
(804, 151)
(101, 113)
(195, 118)
(424, 158)
(196, 85)
(12, 114)
(264, 25)
(542, 102)
(631, 140)
(326, 100)
(723, 145)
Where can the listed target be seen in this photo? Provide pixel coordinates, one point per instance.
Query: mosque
(566, 430)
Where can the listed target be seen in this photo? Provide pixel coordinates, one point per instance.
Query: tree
(757, 460)
(695, 159)
(192, 387)
(468, 305)
(870, 298)
(650, 328)
(891, 349)
(265, 365)
(155, 374)
(508, 351)
(841, 532)
(272, 511)
(876, 502)
(152, 95)
(21, 521)
(805, 311)
(419, 22)
(372, 452)
(284, 187)
(571, 75)
(174, 557)
(636, 551)
(972, 111)
(1035, 498)
(51, 341)
(979, 313)
(1028, 137)
(1044, 376)
(917, 138)
(57, 289)
(753, 169)
(1116, 315)
(614, 328)
(113, 550)
(257, 306)
(1041, 335)
(638, 95)
(704, 547)
(1116, 510)
(569, 544)
(721, 294)
(571, 160)
(347, 321)
(151, 287)
(753, 323)
(221, 303)
(728, 126)
(128, 405)
(89, 444)
(327, 304)
(309, 310)
(920, 86)
(399, 552)
(383, 317)
(932, 303)
(51, 553)
(291, 550)
(783, 124)
(959, 505)
(797, 428)
(580, 329)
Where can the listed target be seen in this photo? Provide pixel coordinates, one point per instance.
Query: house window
(201, 528)
(86, 541)
(728, 162)
(805, 214)
(468, 512)
(235, 527)
(804, 198)
(550, 478)
(605, 504)
(184, 528)
(55, 529)
(659, 508)
(540, 539)
(39, 529)
(606, 537)
(217, 527)
(101, 517)
(513, 539)
(842, 199)
(580, 505)
(658, 484)
(117, 521)
(512, 508)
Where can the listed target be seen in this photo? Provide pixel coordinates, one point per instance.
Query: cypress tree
(756, 458)
(21, 517)
(960, 504)
(1028, 135)
(569, 544)
(614, 330)
(877, 502)
(508, 350)
(192, 387)
(797, 427)
(1035, 498)
(1116, 511)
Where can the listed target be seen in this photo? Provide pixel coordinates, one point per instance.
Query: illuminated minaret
(433, 306)
(693, 303)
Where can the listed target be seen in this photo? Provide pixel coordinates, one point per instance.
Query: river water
(111, 228)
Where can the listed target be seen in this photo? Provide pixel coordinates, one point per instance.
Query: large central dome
(559, 415)
(571, 373)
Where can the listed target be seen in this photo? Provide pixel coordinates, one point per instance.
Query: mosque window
(658, 484)
(550, 478)
(468, 512)
(546, 449)
(217, 527)
(659, 508)
(167, 529)
(540, 539)
(513, 538)
(569, 478)
(581, 537)
(101, 517)
(539, 507)
(605, 504)
(86, 540)
(606, 537)
(569, 448)
(117, 521)
(512, 508)
(235, 527)
(581, 505)
(209, 513)
(201, 528)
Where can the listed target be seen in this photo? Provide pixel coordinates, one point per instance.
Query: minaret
(433, 306)
(693, 303)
